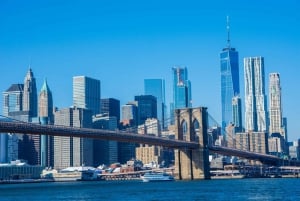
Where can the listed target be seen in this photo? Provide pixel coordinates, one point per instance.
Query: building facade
(30, 102)
(87, 93)
(255, 97)
(182, 92)
(111, 107)
(156, 87)
(105, 151)
(147, 108)
(237, 113)
(45, 111)
(73, 151)
(275, 110)
(13, 99)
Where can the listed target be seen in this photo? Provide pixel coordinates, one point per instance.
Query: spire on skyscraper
(228, 32)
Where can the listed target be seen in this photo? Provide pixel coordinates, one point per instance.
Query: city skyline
(121, 45)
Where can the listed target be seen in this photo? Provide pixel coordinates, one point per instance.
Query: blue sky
(123, 42)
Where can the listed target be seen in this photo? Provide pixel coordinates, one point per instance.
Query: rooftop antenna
(228, 32)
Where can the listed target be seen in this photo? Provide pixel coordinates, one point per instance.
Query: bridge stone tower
(191, 126)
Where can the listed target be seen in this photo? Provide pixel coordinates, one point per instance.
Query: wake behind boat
(157, 176)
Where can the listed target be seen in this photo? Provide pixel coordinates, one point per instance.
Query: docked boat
(157, 176)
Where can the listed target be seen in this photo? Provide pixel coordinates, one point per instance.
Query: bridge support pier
(191, 125)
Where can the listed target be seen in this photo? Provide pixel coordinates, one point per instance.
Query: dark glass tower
(230, 84)
(111, 106)
(147, 107)
(156, 87)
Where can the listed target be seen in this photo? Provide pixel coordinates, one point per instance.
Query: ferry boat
(157, 176)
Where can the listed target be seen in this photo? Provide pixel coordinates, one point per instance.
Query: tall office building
(230, 84)
(237, 114)
(13, 99)
(126, 151)
(255, 98)
(86, 93)
(73, 151)
(147, 107)
(156, 87)
(275, 110)
(111, 107)
(182, 92)
(45, 111)
(105, 151)
(30, 102)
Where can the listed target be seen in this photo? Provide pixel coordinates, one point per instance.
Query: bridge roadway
(117, 135)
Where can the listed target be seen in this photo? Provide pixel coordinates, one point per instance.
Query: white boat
(157, 176)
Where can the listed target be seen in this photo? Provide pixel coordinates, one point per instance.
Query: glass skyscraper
(230, 83)
(156, 87)
(255, 97)
(86, 93)
(182, 92)
(237, 113)
(147, 108)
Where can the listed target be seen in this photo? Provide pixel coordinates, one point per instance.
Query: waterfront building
(145, 153)
(149, 154)
(252, 141)
(156, 87)
(87, 93)
(230, 84)
(255, 97)
(237, 113)
(147, 108)
(242, 141)
(276, 144)
(30, 102)
(111, 107)
(45, 111)
(73, 151)
(182, 92)
(105, 151)
(294, 150)
(20, 170)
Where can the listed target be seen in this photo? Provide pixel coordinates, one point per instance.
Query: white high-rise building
(255, 98)
(275, 111)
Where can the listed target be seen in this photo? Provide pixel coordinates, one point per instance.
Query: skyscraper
(105, 151)
(230, 84)
(30, 102)
(182, 92)
(156, 87)
(86, 93)
(255, 98)
(147, 107)
(73, 151)
(275, 110)
(111, 106)
(237, 113)
(45, 111)
(13, 99)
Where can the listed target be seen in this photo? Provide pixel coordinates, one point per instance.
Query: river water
(233, 189)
